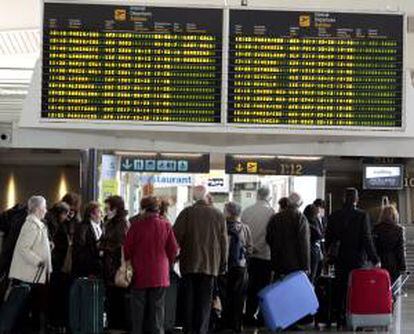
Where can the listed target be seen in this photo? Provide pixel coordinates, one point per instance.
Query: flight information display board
(131, 63)
(315, 69)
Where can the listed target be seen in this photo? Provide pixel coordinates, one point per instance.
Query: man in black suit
(349, 243)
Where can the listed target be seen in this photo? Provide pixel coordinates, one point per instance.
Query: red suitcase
(369, 298)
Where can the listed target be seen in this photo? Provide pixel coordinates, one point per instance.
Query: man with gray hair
(233, 285)
(31, 263)
(256, 217)
(202, 236)
(33, 248)
(288, 236)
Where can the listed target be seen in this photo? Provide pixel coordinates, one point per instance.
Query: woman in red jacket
(152, 248)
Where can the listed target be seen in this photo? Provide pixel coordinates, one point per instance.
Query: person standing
(349, 245)
(321, 205)
(11, 222)
(115, 228)
(316, 236)
(202, 236)
(153, 236)
(31, 257)
(256, 217)
(75, 203)
(389, 238)
(288, 237)
(86, 257)
(56, 220)
(234, 283)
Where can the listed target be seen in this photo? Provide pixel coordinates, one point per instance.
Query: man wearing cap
(289, 239)
(202, 235)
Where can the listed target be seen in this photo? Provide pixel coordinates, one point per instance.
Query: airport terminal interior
(277, 116)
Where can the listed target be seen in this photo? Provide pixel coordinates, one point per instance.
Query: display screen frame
(34, 119)
(401, 128)
(365, 186)
(134, 123)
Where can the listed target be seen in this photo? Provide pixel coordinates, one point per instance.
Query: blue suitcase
(287, 301)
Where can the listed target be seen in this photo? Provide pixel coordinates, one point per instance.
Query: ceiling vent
(19, 42)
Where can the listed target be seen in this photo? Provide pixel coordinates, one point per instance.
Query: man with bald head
(202, 235)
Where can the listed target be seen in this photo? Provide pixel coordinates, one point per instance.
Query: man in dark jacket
(202, 235)
(349, 244)
(289, 239)
(11, 222)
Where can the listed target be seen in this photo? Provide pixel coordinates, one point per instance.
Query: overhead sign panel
(166, 163)
(131, 63)
(383, 176)
(273, 165)
(315, 69)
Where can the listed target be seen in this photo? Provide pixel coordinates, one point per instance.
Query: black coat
(11, 222)
(111, 244)
(351, 227)
(390, 243)
(289, 240)
(316, 237)
(61, 241)
(86, 260)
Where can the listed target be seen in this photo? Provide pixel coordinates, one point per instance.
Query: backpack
(237, 251)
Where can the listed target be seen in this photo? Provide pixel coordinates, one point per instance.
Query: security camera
(4, 137)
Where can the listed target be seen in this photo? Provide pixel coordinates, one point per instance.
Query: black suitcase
(171, 302)
(13, 308)
(15, 304)
(86, 306)
(324, 289)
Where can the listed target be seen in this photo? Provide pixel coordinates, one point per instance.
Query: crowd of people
(227, 256)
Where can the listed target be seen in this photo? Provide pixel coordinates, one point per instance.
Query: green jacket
(202, 235)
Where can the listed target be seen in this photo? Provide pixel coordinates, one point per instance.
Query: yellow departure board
(315, 69)
(131, 63)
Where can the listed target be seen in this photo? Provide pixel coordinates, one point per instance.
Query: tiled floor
(403, 320)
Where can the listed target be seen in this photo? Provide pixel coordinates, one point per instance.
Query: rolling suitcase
(15, 303)
(369, 302)
(171, 302)
(285, 302)
(86, 306)
(324, 289)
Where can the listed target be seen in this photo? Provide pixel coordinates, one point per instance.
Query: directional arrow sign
(159, 163)
(127, 165)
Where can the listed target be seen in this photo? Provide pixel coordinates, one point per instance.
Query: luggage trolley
(371, 298)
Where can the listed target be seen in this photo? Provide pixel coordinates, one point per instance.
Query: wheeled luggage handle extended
(399, 283)
(39, 273)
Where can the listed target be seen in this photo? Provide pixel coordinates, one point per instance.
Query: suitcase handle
(399, 283)
(39, 273)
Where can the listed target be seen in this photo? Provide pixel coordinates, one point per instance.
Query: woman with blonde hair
(389, 237)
